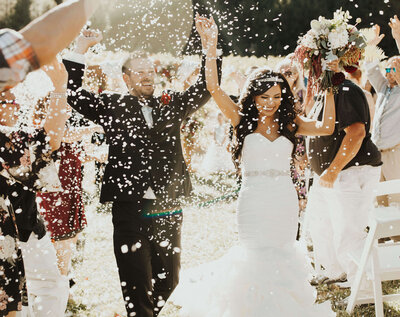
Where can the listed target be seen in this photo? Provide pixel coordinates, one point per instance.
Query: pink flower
(3, 299)
(25, 160)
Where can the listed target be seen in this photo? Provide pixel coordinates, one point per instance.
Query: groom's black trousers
(147, 250)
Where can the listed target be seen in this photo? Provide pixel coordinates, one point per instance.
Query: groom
(146, 176)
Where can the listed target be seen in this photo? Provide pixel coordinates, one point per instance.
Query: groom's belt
(268, 173)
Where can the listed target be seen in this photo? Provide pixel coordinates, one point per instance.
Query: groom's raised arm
(85, 102)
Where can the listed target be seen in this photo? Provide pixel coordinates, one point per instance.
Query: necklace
(269, 130)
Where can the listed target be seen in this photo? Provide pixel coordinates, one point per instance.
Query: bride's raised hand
(200, 21)
(211, 30)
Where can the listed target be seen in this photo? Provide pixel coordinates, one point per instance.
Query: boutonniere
(165, 99)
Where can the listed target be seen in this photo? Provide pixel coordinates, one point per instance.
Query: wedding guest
(356, 77)
(187, 74)
(385, 127)
(289, 69)
(349, 163)
(299, 165)
(146, 176)
(64, 210)
(28, 167)
(217, 158)
(38, 43)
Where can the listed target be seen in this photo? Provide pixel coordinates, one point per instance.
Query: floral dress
(25, 158)
(298, 173)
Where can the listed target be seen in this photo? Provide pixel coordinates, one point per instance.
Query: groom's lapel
(156, 111)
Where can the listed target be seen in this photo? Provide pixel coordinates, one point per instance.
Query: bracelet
(58, 95)
(219, 52)
(211, 58)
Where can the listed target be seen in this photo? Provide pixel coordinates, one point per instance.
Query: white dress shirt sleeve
(76, 58)
(377, 80)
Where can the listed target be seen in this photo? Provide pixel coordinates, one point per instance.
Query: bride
(266, 276)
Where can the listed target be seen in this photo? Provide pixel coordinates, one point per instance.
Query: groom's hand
(87, 39)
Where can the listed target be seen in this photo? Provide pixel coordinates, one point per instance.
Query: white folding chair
(384, 258)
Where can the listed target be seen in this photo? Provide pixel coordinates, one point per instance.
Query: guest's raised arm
(56, 116)
(395, 26)
(85, 102)
(57, 28)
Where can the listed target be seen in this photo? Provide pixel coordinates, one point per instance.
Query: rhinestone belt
(268, 173)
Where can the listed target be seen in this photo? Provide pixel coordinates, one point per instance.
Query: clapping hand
(87, 39)
(395, 26)
(377, 36)
(396, 65)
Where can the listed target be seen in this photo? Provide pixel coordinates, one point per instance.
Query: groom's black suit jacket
(140, 156)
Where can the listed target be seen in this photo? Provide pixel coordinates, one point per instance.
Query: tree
(20, 15)
(272, 27)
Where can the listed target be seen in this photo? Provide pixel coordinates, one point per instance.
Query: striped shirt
(17, 58)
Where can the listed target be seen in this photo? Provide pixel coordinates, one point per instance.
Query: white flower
(315, 25)
(321, 26)
(325, 25)
(7, 247)
(308, 40)
(341, 16)
(338, 37)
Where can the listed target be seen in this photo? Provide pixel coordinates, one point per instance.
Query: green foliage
(19, 17)
(272, 27)
(247, 27)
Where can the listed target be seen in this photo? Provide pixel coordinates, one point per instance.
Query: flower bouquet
(327, 41)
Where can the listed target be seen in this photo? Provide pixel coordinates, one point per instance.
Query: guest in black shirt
(348, 164)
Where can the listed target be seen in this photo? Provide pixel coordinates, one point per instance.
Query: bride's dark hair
(258, 83)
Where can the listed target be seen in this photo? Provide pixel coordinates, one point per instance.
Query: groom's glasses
(389, 69)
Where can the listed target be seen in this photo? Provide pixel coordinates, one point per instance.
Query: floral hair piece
(326, 41)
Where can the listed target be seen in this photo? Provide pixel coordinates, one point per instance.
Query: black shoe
(71, 283)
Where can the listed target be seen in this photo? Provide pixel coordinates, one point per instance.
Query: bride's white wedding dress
(267, 274)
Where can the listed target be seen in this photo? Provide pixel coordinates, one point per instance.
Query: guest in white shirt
(385, 126)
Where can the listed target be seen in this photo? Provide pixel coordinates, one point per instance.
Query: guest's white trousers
(337, 219)
(48, 290)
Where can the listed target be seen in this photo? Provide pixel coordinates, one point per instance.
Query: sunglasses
(389, 69)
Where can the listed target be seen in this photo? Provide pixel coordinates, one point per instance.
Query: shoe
(341, 279)
(344, 285)
(318, 280)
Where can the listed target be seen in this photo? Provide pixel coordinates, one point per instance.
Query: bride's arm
(314, 127)
(209, 33)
